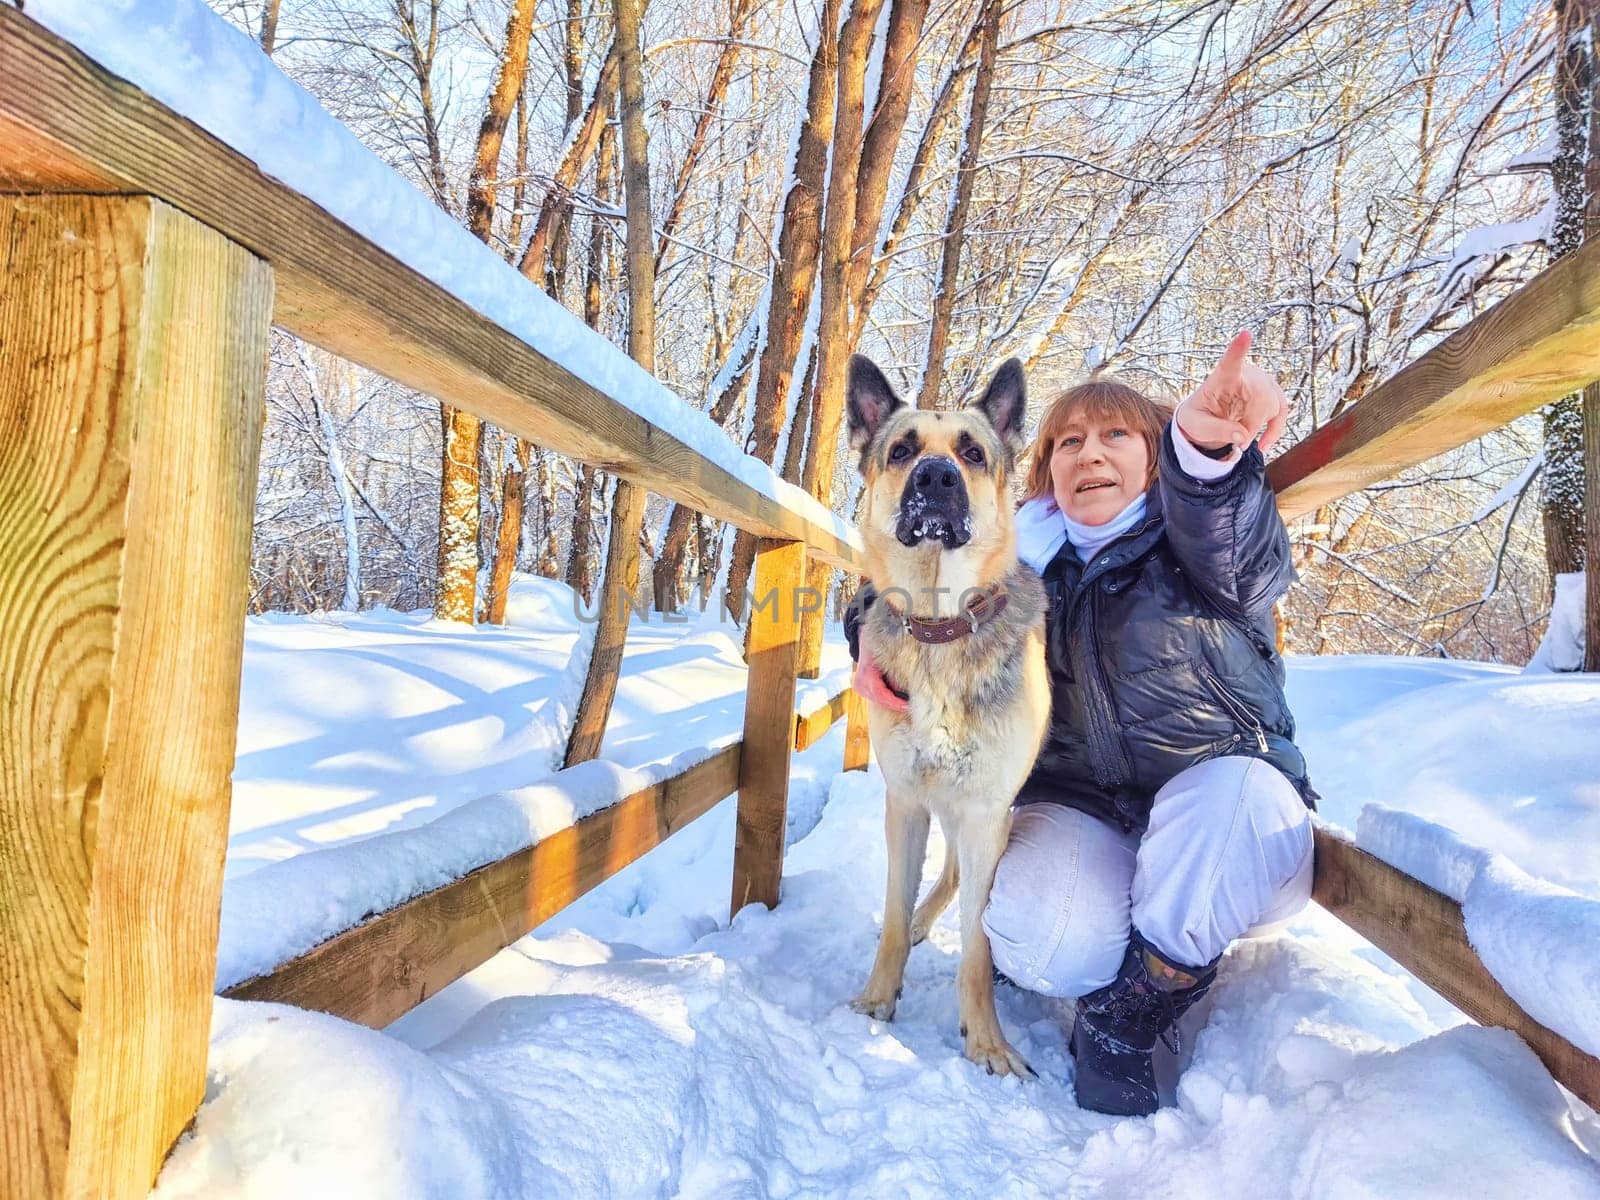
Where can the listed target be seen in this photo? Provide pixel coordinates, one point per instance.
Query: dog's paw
(879, 1008)
(995, 1055)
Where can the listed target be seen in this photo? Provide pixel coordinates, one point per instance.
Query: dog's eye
(899, 452)
(973, 455)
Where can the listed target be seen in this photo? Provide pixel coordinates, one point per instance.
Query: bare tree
(621, 583)
(955, 231)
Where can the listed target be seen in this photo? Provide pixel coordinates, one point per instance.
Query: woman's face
(1097, 468)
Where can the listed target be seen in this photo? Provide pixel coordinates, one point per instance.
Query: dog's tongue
(871, 686)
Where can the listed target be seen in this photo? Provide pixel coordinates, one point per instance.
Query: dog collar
(982, 609)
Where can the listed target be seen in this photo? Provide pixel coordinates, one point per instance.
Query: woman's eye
(1116, 433)
(899, 453)
(973, 455)
(1068, 443)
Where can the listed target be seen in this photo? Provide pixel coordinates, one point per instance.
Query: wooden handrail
(67, 124)
(810, 728)
(395, 960)
(391, 962)
(1540, 343)
(1423, 930)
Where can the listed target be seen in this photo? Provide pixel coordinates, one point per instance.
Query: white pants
(1227, 852)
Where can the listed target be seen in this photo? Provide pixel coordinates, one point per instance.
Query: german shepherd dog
(958, 626)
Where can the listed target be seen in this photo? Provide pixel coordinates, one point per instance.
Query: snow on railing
(1539, 940)
(1493, 965)
(204, 71)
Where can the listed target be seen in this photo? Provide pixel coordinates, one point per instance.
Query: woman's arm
(1221, 517)
(1227, 532)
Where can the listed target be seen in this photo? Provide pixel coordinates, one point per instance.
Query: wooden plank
(1538, 344)
(65, 122)
(131, 381)
(1424, 932)
(857, 738)
(774, 656)
(391, 963)
(810, 728)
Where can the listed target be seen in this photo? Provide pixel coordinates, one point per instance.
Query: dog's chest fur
(965, 695)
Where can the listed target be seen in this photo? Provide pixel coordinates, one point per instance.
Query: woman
(1167, 812)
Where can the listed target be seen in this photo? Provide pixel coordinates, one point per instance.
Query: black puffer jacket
(1161, 649)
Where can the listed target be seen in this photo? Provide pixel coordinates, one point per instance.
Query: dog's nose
(935, 474)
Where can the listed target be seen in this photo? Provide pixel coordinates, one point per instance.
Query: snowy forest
(1091, 187)
(432, 871)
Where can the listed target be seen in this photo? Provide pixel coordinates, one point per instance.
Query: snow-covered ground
(639, 1045)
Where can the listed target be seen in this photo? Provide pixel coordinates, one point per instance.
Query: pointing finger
(1234, 357)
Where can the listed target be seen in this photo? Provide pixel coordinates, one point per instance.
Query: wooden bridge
(142, 265)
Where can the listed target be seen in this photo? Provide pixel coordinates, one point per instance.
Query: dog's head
(936, 480)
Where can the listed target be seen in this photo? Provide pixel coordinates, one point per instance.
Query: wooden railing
(390, 963)
(141, 265)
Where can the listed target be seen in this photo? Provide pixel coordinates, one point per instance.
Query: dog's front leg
(906, 827)
(979, 847)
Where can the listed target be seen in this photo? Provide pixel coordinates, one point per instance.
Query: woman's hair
(1101, 401)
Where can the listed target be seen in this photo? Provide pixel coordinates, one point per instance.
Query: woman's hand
(1234, 403)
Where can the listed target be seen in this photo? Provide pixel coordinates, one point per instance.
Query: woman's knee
(1228, 847)
(1058, 914)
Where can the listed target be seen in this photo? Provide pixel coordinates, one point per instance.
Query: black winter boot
(1118, 1026)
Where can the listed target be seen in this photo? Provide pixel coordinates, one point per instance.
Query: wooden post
(857, 743)
(135, 348)
(768, 723)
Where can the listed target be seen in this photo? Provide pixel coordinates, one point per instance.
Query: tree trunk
(882, 139)
(627, 506)
(1562, 487)
(458, 485)
(580, 556)
(341, 485)
(269, 26)
(668, 571)
(833, 336)
(547, 564)
(793, 276)
(582, 563)
(581, 147)
(955, 231)
(510, 536)
(939, 115)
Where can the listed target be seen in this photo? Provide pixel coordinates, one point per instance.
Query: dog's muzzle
(934, 505)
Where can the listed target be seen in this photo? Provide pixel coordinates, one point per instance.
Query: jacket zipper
(1237, 707)
(1102, 721)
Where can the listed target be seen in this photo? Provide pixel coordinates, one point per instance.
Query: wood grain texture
(1540, 343)
(131, 381)
(392, 962)
(774, 655)
(66, 122)
(1424, 932)
(857, 737)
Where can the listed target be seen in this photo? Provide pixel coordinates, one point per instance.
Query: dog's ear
(869, 401)
(1005, 402)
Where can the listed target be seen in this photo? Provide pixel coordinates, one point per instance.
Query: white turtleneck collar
(1042, 528)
